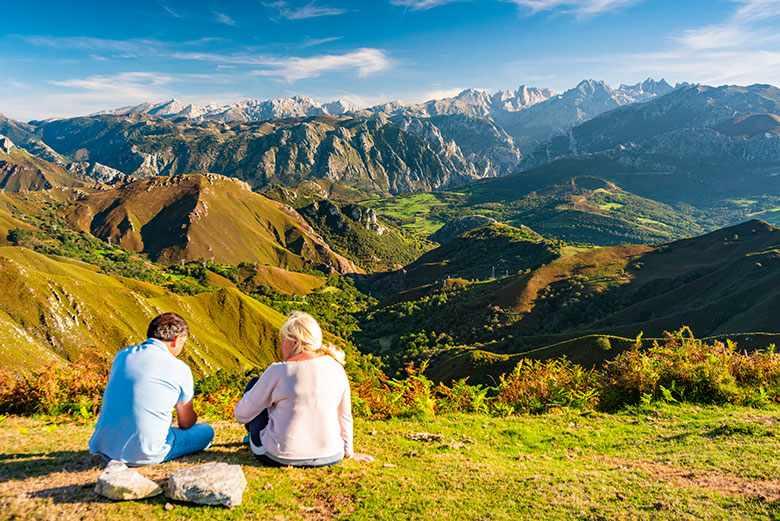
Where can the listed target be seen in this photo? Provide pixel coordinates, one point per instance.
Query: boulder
(122, 483)
(208, 484)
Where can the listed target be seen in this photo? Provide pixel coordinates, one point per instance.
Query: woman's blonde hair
(304, 330)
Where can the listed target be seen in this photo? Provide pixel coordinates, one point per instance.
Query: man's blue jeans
(189, 441)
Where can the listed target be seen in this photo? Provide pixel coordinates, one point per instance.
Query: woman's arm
(345, 420)
(257, 398)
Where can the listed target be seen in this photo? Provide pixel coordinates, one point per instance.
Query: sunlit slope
(287, 282)
(21, 171)
(58, 309)
(193, 217)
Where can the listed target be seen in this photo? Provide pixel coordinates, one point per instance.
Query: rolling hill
(722, 283)
(52, 310)
(203, 217)
(569, 199)
(20, 171)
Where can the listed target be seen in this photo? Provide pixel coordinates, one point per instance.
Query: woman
(299, 411)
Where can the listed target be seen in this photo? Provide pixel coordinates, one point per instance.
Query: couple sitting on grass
(298, 413)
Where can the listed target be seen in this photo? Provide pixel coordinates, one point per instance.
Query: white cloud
(86, 43)
(313, 42)
(135, 85)
(171, 11)
(309, 10)
(748, 27)
(421, 5)
(365, 61)
(757, 10)
(582, 8)
(224, 19)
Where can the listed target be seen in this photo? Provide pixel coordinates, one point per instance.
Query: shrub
(684, 368)
(75, 389)
(604, 343)
(537, 386)
(462, 397)
(216, 395)
(411, 396)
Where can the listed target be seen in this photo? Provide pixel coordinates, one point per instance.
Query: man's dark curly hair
(167, 326)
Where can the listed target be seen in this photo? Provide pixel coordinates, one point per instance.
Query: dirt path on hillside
(726, 484)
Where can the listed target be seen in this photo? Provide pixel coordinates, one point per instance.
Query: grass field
(416, 213)
(668, 462)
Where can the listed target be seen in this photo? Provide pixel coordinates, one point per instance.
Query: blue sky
(67, 58)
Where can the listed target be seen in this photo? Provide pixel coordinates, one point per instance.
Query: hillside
(206, 217)
(720, 283)
(355, 232)
(21, 171)
(56, 309)
(480, 254)
(570, 200)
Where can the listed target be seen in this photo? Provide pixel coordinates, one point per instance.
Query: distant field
(672, 462)
(417, 213)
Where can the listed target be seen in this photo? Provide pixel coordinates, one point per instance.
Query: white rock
(122, 483)
(208, 484)
(6, 145)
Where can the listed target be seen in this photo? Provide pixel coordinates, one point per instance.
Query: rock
(6, 145)
(168, 506)
(424, 436)
(208, 484)
(122, 483)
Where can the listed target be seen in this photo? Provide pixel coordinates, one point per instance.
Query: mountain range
(467, 232)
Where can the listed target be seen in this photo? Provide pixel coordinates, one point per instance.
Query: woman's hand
(362, 458)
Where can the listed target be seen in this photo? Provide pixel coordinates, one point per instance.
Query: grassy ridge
(61, 308)
(203, 217)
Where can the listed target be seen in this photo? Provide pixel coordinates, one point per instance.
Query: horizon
(205, 52)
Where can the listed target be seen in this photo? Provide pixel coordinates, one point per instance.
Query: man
(145, 384)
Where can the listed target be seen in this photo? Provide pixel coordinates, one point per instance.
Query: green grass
(672, 462)
(417, 213)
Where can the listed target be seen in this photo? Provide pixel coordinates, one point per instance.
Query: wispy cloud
(125, 81)
(365, 61)
(224, 19)
(303, 12)
(421, 5)
(582, 8)
(752, 24)
(87, 43)
(742, 49)
(170, 11)
(313, 42)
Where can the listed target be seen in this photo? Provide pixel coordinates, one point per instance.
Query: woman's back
(309, 409)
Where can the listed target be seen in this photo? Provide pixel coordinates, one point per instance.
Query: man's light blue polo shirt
(145, 384)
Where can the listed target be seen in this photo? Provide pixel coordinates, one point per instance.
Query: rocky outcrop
(6, 145)
(208, 484)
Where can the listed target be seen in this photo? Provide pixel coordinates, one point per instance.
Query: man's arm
(186, 416)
